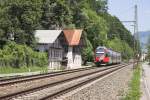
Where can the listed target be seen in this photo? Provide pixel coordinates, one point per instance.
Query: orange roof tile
(73, 36)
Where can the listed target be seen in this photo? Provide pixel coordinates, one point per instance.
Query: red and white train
(106, 56)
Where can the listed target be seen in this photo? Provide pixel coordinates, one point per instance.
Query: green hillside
(19, 19)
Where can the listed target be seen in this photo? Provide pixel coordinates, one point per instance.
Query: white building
(143, 56)
(63, 47)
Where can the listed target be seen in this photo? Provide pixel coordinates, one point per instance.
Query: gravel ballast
(110, 87)
(8, 89)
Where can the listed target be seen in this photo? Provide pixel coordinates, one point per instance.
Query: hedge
(16, 55)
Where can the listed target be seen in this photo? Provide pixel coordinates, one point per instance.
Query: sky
(124, 10)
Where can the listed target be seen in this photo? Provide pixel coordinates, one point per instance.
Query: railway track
(58, 87)
(78, 84)
(19, 79)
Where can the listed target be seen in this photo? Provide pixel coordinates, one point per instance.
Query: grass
(7, 70)
(134, 92)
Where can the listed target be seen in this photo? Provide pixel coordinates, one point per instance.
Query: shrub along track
(58, 83)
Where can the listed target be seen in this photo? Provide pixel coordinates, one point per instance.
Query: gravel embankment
(110, 87)
(55, 89)
(4, 90)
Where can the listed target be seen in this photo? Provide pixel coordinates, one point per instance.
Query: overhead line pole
(135, 34)
(136, 23)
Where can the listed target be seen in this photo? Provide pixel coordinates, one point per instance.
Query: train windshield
(100, 50)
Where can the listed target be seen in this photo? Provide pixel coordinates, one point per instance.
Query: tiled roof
(47, 36)
(73, 36)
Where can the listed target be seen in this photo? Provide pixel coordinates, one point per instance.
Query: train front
(100, 56)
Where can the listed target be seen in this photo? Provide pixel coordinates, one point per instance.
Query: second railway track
(56, 87)
(19, 79)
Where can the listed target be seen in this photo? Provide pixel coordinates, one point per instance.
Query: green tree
(117, 29)
(19, 18)
(97, 30)
(56, 14)
(87, 52)
(16, 55)
(122, 47)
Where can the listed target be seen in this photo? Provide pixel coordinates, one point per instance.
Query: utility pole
(136, 24)
(135, 34)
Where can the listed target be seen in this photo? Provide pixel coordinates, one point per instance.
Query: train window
(100, 50)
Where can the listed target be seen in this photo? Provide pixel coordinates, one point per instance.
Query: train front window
(100, 50)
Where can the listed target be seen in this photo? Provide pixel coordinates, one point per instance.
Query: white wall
(70, 58)
(77, 61)
(74, 59)
(54, 65)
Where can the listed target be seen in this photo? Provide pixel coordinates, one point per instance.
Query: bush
(87, 53)
(134, 92)
(16, 55)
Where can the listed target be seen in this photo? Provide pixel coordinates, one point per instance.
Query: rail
(99, 72)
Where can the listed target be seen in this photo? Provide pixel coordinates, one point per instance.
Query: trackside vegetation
(21, 57)
(134, 92)
(7, 70)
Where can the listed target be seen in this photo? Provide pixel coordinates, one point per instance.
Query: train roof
(110, 50)
(101, 47)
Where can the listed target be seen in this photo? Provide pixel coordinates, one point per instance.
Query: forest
(20, 18)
